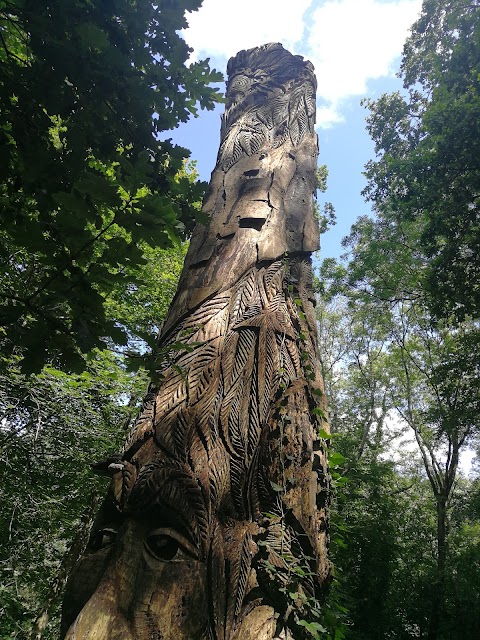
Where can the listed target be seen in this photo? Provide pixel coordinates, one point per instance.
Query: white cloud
(329, 115)
(353, 41)
(221, 28)
(349, 41)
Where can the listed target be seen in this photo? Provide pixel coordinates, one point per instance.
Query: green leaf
(92, 36)
(98, 187)
(335, 459)
(314, 628)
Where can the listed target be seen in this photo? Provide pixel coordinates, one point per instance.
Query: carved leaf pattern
(288, 115)
(240, 575)
(207, 312)
(247, 136)
(216, 398)
(243, 295)
(219, 475)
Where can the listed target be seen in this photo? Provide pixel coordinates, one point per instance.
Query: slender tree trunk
(70, 559)
(439, 586)
(216, 526)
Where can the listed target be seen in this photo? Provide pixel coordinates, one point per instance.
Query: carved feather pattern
(246, 136)
(288, 115)
(243, 295)
(279, 544)
(172, 393)
(238, 472)
(302, 271)
(273, 279)
(240, 575)
(268, 357)
(298, 117)
(252, 490)
(207, 312)
(254, 419)
(181, 430)
(287, 371)
(201, 370)
(219, 475)
(216, 574)
(216, 399)
(198, 461)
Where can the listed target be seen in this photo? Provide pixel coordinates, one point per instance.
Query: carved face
(136, 580)
(244, 83)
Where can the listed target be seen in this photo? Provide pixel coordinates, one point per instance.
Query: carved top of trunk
(260, 203)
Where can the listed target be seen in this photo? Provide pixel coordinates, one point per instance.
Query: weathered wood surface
(219, 499)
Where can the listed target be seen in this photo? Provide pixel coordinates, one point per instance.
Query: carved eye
(167, 545)
(162, 547)
(103, 538)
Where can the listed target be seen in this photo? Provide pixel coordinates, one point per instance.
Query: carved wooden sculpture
(215, 525)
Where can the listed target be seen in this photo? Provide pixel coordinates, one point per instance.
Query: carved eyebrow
(172, 522)
(176, 535)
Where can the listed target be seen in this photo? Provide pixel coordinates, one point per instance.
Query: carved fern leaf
(245, 292)
(219, 475)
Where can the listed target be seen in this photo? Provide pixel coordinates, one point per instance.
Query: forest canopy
(86, 87)
(401, 348)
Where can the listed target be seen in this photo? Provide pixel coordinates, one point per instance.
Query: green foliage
(428, 145)
(387, 563)
(325, 214)
(414, 269)
(140, 307)
(399, 348)
(53, 426)
(321, 176)
(389, 372)
(86, 87)
(463, 571)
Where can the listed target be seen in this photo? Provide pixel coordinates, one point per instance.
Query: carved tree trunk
(215, 525)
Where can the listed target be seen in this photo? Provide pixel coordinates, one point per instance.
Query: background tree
(427, 146)
(53, 426)
(400, 510)
(419, 258)
(86, 88)
(416, 266)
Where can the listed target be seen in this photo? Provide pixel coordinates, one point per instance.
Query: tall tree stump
(215, 524)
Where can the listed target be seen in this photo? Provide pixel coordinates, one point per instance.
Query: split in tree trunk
(215, 525)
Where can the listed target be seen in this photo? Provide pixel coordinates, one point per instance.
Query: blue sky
(355, 46)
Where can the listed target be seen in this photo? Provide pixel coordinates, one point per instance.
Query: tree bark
(215, 525)
(439, 586)
(71, 557)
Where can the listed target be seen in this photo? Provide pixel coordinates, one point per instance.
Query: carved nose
(100, 619)
(104, 617)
